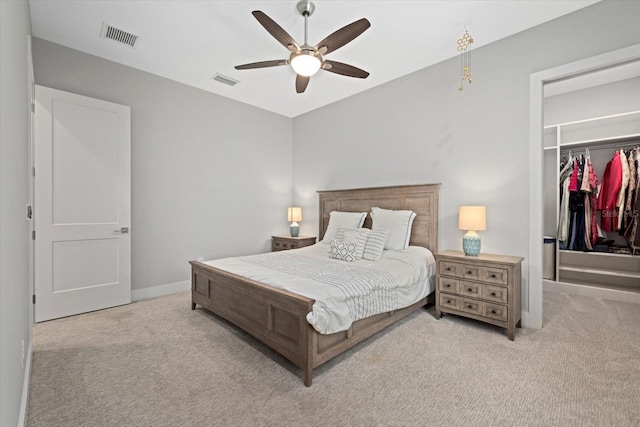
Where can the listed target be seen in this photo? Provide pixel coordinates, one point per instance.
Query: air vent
(109, 32)
(224, 79)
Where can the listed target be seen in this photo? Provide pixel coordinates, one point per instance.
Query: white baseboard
(160, 290)
(24, 404)
(591, 291)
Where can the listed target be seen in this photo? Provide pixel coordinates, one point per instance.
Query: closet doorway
(544, 160)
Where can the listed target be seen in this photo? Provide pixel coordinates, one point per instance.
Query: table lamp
(472, 219)
(294, 214)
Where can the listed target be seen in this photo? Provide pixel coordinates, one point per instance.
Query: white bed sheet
(343, 291)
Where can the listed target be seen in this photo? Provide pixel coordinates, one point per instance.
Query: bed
(278, 317)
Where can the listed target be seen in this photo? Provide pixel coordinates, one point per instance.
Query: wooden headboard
(422, 199)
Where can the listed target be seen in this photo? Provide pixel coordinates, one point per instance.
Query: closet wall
(601, 119)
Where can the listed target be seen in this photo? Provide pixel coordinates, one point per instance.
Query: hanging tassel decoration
(464, 47)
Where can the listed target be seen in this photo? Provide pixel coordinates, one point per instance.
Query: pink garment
(573, 183)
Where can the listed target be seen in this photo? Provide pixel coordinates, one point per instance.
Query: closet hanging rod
(609, 146)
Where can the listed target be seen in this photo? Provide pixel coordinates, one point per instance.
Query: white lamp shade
(472, 218)
(294, 214)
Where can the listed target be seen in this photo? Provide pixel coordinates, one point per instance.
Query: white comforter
(343, 291)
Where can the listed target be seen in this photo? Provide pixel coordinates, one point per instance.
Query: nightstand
(484, 287)
(282, 243)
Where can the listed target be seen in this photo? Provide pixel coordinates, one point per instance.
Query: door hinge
(34, 298)
(29, 212)
(33, 107)
(33, 235)
(33, 171)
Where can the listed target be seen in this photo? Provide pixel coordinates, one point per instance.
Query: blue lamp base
(471, 243)
(294, 229)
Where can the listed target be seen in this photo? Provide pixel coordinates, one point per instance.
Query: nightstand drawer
(473, 272)
(283, 243)
(446, 284)
(495, 293)
(282, 246)
(450, 301)
(496, 275)
(451, 269)
(470, 289)
(495, 311)
(472, 306)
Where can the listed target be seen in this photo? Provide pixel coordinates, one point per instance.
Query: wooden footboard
(278, 318)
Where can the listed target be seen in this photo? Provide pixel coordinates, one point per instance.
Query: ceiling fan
(306, 60)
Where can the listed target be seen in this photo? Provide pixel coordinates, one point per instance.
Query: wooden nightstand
(484, 287)
(282, 243)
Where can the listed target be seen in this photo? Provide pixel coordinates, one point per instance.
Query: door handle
(123, 230)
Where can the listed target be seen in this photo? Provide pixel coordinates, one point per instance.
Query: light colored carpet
(158, 363)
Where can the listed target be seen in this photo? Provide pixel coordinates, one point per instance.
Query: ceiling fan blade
(276, 31)
(262, 64)
(301, 83)
(344, 69)
(344, 35)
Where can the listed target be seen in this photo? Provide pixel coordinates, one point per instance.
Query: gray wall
(211, 177)
(421, 129)
(15, 307)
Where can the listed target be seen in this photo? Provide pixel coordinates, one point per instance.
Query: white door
(82, 204)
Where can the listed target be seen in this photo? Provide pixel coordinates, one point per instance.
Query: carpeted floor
(158, 363)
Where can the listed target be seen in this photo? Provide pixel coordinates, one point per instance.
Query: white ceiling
(191, 41)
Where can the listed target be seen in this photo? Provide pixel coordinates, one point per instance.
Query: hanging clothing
(566, 173)
(620, 202)
(611, 183)
(631, 193)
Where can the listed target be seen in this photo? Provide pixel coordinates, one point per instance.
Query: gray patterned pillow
(344, 251)
(374, 247)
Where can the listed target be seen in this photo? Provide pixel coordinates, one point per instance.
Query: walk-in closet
(591, 131)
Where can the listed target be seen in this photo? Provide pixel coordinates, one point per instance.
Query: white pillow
(397, 223)
(358, 236)
(342, 250)
(338, 220)
(375, 244)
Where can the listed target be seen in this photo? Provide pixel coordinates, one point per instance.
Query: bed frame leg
(308, 376)
(193, 306)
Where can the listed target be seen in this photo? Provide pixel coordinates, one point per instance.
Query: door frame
(536, 123)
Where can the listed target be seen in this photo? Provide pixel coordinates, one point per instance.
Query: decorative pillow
(339, 220)
(397, 223)
(375, 245)
(344, 251)
(354, 235)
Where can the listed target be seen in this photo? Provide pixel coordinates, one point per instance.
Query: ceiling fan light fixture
(306, 63)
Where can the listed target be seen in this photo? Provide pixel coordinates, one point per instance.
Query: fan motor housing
(306, 7)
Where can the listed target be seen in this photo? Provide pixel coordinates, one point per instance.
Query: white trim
(592, 291)
(24, 402)
(536, 147)
(160, 290)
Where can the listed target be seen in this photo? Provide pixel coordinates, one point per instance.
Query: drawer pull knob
(448, 301)
(469, 289)
(469, 306)
(468, 271)
(493, 294)
(493, 276)
(448, 268)
(493, 311)
(448, 285)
